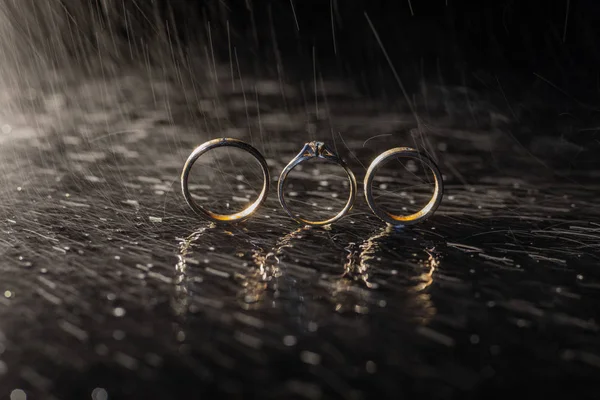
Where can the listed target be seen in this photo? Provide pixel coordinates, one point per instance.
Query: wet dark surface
(109, 281)
(111, 286)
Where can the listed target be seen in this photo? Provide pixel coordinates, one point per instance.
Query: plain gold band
(213, 144)
(419, 216)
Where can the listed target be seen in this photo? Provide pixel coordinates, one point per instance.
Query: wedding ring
(213, 144)
(419, 216)
(317, 150)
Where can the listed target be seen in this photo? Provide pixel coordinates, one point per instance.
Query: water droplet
(289, 340)
(310, 358)
(18, 394)
(99, 394)
(119, 312)
(371, 367)
(361, 309)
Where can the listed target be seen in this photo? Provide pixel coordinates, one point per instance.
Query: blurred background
(521, 56)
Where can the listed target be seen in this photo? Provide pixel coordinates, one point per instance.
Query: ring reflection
(386, 274)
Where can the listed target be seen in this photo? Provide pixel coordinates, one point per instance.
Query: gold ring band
(419, 216)
(213, 144)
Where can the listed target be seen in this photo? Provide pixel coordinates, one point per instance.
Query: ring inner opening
(226, 181)
(403, 187)
(316, 190)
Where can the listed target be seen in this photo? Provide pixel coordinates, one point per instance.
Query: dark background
(523, 54)
(556, 39)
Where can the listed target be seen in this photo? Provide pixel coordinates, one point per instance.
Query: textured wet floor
(111, 286)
